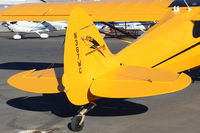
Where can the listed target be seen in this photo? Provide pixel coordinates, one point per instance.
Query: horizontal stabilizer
(43, 81)
(131, 82)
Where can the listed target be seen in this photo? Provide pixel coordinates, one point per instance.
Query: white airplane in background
(37, 27)
(133, 25)
(16, 2)
(8, 3)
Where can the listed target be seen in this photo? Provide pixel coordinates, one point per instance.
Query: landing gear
(77, 122)
(44, 36)
(17, 37)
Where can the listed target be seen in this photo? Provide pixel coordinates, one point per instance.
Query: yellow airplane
(151, 66)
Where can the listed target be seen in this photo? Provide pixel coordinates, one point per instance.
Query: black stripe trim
(176, 54)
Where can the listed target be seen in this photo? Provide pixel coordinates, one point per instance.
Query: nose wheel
(77, 122)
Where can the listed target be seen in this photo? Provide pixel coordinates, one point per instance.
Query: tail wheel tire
(75, 123)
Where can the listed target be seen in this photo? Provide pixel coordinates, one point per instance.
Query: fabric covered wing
(43, 81)
(131, 82)
(132, 10)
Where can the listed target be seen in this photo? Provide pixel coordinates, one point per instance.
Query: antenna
(189, 9)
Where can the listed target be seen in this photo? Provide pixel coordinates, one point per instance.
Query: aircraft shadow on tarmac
(59, 105)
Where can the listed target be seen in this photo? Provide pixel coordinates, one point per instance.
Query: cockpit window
(36, 21)
(13, 22)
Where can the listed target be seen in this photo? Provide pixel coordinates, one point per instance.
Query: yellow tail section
(86, 57)
(90, 71)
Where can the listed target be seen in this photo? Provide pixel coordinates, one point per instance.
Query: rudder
(86, 57)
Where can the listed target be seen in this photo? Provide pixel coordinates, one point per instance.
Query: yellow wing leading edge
(126, 10)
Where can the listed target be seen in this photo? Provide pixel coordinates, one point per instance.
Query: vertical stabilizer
(86, 57)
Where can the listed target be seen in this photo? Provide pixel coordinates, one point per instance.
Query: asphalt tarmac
(171, 113)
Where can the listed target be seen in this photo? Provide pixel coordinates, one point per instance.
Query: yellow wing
(43, 81)
(132, 10)
(172, 44)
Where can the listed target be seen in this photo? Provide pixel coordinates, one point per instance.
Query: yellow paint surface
(43, 81)
(128, 10)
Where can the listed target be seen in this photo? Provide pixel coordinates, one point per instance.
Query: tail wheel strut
(77, 122)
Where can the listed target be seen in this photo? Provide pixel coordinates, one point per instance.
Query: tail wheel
(77, 124)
